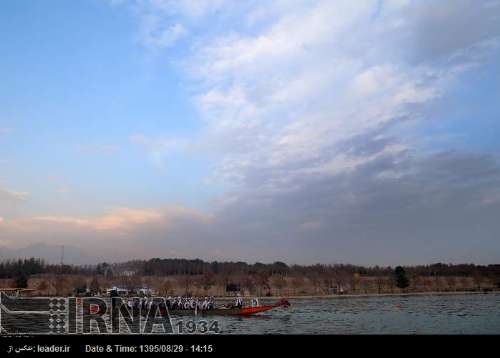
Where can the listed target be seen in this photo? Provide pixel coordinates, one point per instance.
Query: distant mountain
(51, 254)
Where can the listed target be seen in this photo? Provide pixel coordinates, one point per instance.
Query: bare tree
(391, 282)
(279, 283)
(379, 281)
(451, 282)
(186, 283)
(476, 277)
(297, 283)
(356, 278)
(166, 287)
(131, 282)
(94, 286)
(207, 281)
(316, 282)
(61, 285)
(429, 283)
(465, 282)
(263, 282)
(329, 280)
(364, 284)
(43, 286)
(416, 282)
(248, 283)
(342, 280)
(437, 283)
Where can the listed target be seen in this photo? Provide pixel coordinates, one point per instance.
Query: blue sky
(228, 130)
(77, 85)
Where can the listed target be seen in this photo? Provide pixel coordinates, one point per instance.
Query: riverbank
(274, 286)
(365, 295)
(361, 295)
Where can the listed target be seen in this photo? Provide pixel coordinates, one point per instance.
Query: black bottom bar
(237, 344)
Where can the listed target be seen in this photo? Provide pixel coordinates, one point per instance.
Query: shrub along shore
(181, 277)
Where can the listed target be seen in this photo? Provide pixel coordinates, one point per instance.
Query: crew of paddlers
(183, 303)
(173, 303)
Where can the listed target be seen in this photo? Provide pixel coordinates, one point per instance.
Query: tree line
(175, 267)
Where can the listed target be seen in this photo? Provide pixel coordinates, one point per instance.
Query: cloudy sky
(300, 130)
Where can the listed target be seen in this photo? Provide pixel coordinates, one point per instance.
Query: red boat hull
(230, 311)
(252, 310)
(245, 311)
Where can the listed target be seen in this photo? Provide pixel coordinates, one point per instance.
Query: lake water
(438, 314)
(429, 314)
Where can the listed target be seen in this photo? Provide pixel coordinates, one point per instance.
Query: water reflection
(438, 314)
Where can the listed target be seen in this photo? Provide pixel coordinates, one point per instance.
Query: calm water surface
(433, 314)
(443, 314)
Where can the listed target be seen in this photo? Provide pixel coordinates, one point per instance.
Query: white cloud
(119, 219)
(164, 22)
(119, 234)
(6, 194)
(158, 35)
(302, 102)
(288, 93)
(299, 86)
(161, 148)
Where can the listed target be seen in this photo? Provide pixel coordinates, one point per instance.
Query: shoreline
(343, 296)
(369, 295)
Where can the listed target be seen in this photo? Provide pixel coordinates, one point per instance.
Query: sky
(303, 131)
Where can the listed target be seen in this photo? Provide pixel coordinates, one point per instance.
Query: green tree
(401, 279)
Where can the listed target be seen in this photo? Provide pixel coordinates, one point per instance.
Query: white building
(118, 290)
